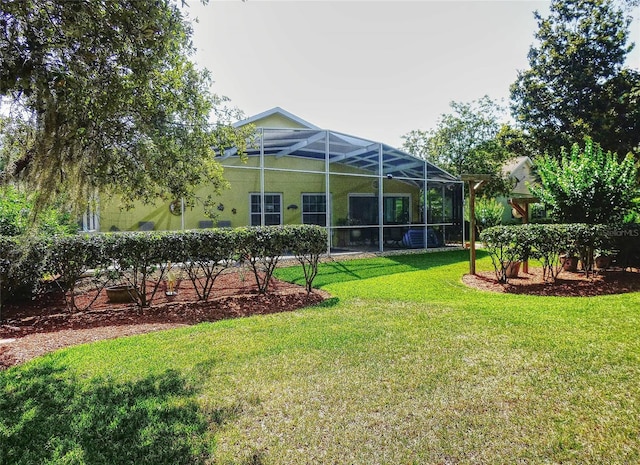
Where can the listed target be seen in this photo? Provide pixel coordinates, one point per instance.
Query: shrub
(15, 216)
(545, 242)
(142, 260)
(307, 243)
(69, 258)
(488, 213)
(262, 248)
(135, 257)
(505, 246)
(207, 254)
(21, 267)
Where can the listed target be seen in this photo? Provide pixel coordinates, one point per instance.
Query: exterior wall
(524, 176)
(277, 121)
(233, 204)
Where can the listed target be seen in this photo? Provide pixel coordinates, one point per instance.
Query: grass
(404, 365)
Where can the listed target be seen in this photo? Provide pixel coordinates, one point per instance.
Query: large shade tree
(470, 139)
(577, 84)
(101, 95)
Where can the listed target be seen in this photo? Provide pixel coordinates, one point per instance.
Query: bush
(544, 242)
(143, 260)
(135, 257)
(488, 212)
(21, 267)
(505, 245)
(15, 216)
(307, 243)
(262, 248)
(207, 254)
(68, 258)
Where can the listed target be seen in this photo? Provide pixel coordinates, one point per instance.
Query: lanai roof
(349, 150)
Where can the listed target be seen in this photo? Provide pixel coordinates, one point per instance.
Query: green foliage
(576, 85)
(136, 257)
(505, 245)
(207, 254)
(262, 248)
(16, 216)
(307, 243)
(104, 98)
(21, 267)
(544, 242)
(465, 141)
(586, 186)
(488, 212)
(143, 260)
(68, 258)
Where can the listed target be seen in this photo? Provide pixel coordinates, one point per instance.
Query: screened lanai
(370, 196)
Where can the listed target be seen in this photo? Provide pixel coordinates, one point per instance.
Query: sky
(373, 69)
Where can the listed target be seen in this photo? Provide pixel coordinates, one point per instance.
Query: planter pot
(122, 294)
(603, 262)
(570, 263)
(513, 269)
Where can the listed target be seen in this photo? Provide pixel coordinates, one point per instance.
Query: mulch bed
(44, 324)
(568, 284)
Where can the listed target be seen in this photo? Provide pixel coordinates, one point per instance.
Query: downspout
(380, 199)
(262, 215)
(327, 189)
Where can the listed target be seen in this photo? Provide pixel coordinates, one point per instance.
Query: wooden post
(472, 228)
(521, 206)
(476, 182)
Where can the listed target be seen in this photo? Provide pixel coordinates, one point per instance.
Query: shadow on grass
(50, 417)
(330, 302)
(353, 270)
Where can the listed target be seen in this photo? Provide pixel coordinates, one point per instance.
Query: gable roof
(275, 112)
(514, 164)
(305, 140)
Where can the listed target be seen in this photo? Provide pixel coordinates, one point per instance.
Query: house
(522, 172)
(296, 172)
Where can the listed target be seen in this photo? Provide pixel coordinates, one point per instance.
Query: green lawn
(405, 365)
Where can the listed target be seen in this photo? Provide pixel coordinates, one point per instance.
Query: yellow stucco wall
(233, 204)
(277, 120)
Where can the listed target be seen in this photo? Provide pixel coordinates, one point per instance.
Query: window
(396, 209)
(363, 209)
(314, 209)
(272, 209)
(90, 220)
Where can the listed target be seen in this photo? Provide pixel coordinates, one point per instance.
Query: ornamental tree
(586, 185)
(102, 96)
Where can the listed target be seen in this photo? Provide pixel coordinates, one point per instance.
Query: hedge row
(143, 259)
(549, 242)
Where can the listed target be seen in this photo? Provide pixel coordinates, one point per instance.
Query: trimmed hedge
(547, 243)
(143, 259)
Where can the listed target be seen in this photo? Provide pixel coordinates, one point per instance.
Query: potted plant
(603, 258)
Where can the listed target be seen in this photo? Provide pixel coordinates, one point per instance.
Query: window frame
(323, 214)
(253, 214)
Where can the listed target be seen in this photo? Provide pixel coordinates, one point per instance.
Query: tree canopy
(470, 139)
(577, 84)
(100, 95)
(586, 185)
